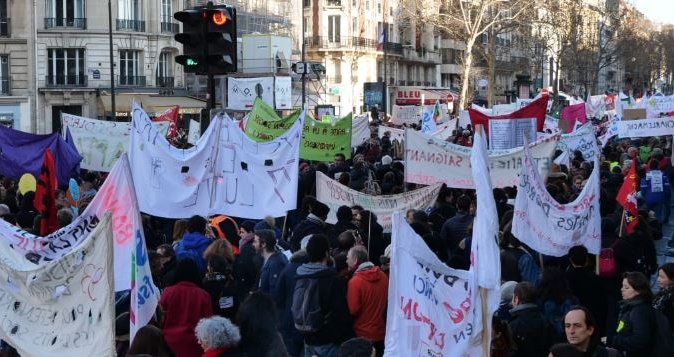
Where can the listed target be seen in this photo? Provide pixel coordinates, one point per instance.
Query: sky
(656, 10)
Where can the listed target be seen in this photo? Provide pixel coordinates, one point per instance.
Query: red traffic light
(219, 18)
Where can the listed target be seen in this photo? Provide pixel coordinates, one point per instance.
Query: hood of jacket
(314, 270)
(370, 273)
(195, 241)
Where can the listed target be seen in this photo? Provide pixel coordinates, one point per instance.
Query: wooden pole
(622, 224)
(486, 349)
(283, 231)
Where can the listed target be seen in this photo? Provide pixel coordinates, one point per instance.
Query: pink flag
(571, 115)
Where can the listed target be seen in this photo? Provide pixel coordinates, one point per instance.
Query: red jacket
(367, 296)
(184, 304)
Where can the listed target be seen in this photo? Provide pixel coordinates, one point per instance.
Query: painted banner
(645, 127)
(595, 106)
(611, 129)
(582, 139)
(501, 109)
(429, 161)
(395, 133)
(242, 92)
(321, 141)
(63, 307)
(552, 228)
(360, 130)
(433, 310)
(194, 132)
(406, 114)
(283, 99)
(536, 109)
(428, 125)
(508, 134)
(334, 194)
(659, 105)
(264, 124)
(572, 115)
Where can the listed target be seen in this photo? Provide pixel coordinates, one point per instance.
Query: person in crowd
(634, 333)
(88, 186)
(122, 343)
(248, 263)
(220, 284)
(656, 190)
(179, 230)
(25, 217)
(283, 297)
(150, 340)
(345, 241)
(517, 262)
(453, 231)
(581, 331)
(225, 227)
(506, 304)
(221, 247)
(273, 260)
(322, 336)
(184, 304)
(257, 322)
(357, 347)
(64, 217)
(339, 165)
(217, 335)
(169, 263)
(367, 295)
(383, 168)
(555, 298)
(586, 286)
(313, 224)
(4, 210)
(531, 331)
(344, 223)
(564, 350)
(664, 299)
(373, 236)
(194, 242)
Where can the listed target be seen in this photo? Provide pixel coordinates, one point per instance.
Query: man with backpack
(319, 305)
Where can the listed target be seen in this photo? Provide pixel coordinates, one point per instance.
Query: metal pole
(304, 76)
(385, 29)
(112, 65)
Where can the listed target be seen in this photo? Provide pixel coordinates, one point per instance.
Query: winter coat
(664, 302)
(332, 295)
(271, 270)
(366, 296)
(247, 270)
(283, 296)
(531, 331)
(192, 246)
(184, 304)
(659, 197)
(373, 234)
(454, 230)
(588, 288)
(634, 334)
(223, 291)
(310, 225)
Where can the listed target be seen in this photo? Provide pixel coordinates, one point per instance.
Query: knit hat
(508, 290)
(386, 160)
(320, 209)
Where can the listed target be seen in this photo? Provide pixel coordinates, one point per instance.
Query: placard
(510, 133)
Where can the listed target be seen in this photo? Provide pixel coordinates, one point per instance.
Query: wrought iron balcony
(132, 81)
(165, 82)
(5, 27)
(5, 85)
(346, 43)
(131, 25)
(67, 81)
(77, 23)
(169, 26)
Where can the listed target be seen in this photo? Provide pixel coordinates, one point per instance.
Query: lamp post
(112, 64)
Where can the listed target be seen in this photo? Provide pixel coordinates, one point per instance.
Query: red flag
(535, 109)
(170, 115)
(572, 114)
(628, 200)
(45, 195)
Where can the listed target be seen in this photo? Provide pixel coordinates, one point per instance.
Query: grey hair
(217, 332)
(359, 253)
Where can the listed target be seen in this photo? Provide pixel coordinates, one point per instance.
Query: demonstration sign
(583, 139)
(334, 194)
(429, 161)
(645, 127)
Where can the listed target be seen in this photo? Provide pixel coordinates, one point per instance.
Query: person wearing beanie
(507, 291)
(313, 224)
(273, 260)
(344, 223)
(382, 169)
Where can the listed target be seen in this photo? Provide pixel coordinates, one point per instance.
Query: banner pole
(369, 238)
(485, 322)
(283, 231)
(622, 224)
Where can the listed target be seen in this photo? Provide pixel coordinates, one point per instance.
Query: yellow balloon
(27, 183)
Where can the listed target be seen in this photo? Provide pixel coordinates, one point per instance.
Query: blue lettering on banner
(145, 288)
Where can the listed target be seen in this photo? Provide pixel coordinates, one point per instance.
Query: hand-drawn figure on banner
(92, 275)
(157, 171)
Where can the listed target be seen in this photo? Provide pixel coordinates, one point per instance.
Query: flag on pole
(382, 39)
(171, 116)
(627, 198)
(436, 112)
(45, 195)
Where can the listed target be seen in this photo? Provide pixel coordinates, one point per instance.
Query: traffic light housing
(209, 40)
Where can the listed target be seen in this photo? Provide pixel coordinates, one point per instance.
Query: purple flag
(22, 152)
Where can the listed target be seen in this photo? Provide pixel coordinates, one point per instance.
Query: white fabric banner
(254, 180)
(334, 194)
(481, 109)
(283, 93)
(429, 161)
(99, 142)
(552, 228)
(551, 123)
(241, 92)
(464, 118)
(503, 109)
(428, 126)
(645, 127)
(582, 139)
(195, 132)
(433, 309)
(595, 106)
(360, 130)
(444, 130)
(521, 103)
(396, 134)
(406, 114)
(63, 307)
(510, 133)
(657, 105)
(611, 129)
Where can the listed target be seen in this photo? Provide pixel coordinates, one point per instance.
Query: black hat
(320, 209)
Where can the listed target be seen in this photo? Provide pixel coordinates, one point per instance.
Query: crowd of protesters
(298, 286)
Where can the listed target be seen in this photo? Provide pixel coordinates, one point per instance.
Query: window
(166, 10)
(306, 3)
(129, 9)
(367, 5)
(354, 27)
(333, 28)
(333, 2)
(4, 21)
(306, 26)
(130, 68)
(379, 7)
(65, 66)
(65, 13)
(4, 74)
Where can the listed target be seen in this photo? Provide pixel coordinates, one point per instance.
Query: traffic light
(209, 40)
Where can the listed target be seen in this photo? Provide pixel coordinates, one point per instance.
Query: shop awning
(152, 103)
(413, 95)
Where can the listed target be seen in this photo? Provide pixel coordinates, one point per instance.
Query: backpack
(607, 266)
(663, 345)
(308, 315)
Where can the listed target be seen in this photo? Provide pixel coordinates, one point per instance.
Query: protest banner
(334, 194)
(536, 109)
(194, 132)
(595, 106)
(22, 153)
(611, 129)
(552, 228)
(551, 123)
(263, 124)
(360, 130)
(508, 134)
(433, 310)
(283, 93)
(321, 141)
(464, 118)
(582, 139)
(428, 125)
(99, 142)
(521, 103)
(64, 307)
(501, 109)
(645, 127)
(429, 160)
(406, 114)
(659, 105)
(242, 92)
(395, 133)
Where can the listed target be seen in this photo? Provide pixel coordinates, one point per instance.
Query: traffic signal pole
(112, 65)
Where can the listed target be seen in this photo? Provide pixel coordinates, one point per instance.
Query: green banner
(320, 140)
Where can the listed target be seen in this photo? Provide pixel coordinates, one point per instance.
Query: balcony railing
(321, 42)
(77, 23)
(132, 81)
(132, 25)
(67, 81)
(5, 86)
(169, 27)
(5, 27)
(165, 82)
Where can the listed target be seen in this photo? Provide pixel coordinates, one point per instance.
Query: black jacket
(247, 270)
(588, 288)
(531, 332)
(664, 302)
(332, 294)
(310, 225)
(634, 333)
